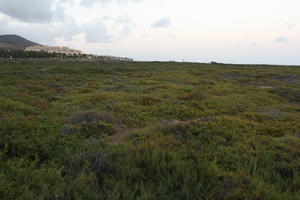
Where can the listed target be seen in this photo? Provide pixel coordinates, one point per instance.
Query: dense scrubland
(135, 130)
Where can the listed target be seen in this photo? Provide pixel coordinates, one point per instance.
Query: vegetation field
(153, 131)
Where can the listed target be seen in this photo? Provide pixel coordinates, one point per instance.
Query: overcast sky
(231, 31)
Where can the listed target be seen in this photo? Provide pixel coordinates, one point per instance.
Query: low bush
(93, 116)
(148, 101)
(290, 94)
(95, 129)
(198, 95)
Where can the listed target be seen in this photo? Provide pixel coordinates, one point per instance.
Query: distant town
(14, 46)
(48, 49)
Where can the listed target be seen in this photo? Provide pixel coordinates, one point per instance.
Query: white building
(64, 50)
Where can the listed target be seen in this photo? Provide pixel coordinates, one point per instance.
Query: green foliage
(31, 54)
(148, 101)
(290, 94)
(96, 129)
(135, 130)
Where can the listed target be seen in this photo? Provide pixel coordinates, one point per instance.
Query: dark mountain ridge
(14, 42)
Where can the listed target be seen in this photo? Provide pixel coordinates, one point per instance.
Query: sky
(231, 31)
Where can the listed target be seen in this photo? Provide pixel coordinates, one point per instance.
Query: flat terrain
(135, 130)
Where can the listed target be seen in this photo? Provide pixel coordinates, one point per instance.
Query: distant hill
(14, 46)
(14, 42)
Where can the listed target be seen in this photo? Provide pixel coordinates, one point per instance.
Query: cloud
(108, 29)
(102, 30)
(161, 23)
(44, 21)
(244, 45)
(104, 2)
(289, 26)
(45, 11)
(281, 39)
(42, 33)
(169, 36)
(33, 11)
(96, 32)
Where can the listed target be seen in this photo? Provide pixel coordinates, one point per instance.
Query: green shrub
(93, 116)
(198, 95)
(290, 94)
(96, 129)
(148, 101)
